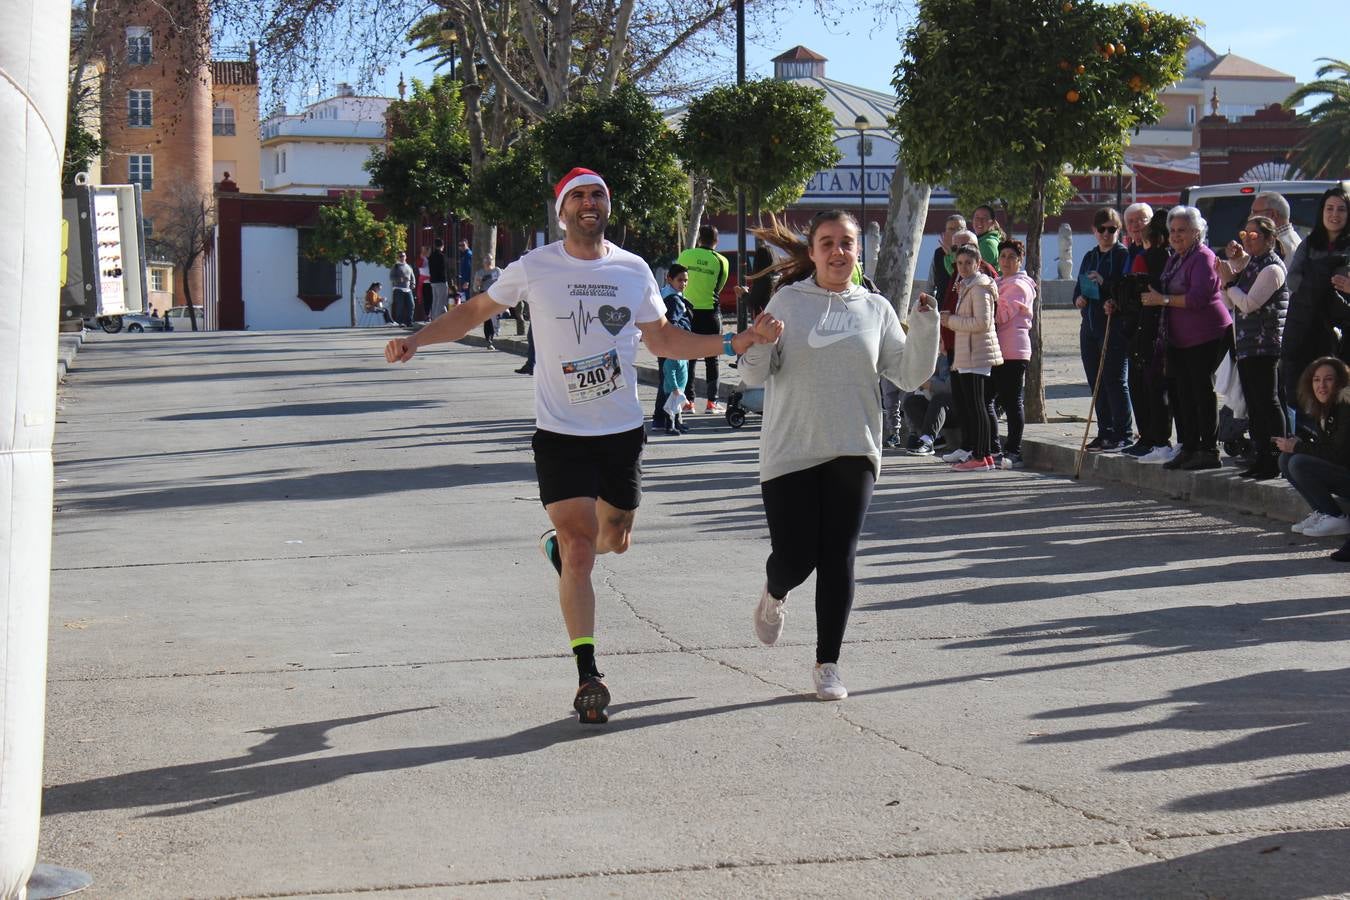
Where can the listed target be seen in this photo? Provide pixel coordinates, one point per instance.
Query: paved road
(303, 645)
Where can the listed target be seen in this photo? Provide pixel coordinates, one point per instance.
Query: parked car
(1226, 206)
(177, 316)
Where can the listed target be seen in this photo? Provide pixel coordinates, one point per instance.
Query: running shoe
(1138, 449)
(688, 406)
(1012, 461)
(829, 686)
(714, 409)
(924, 449)
(1327, 526)
(769, 615)
(1095, 444)
(591, 701)
(956, 456)
(892, 442)
(983, 464)
(548, 545)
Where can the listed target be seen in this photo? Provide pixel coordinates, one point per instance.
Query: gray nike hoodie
(822, 388)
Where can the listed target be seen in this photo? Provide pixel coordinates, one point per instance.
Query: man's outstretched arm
(449, 326)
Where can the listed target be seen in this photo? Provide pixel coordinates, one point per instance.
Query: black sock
(585, 656)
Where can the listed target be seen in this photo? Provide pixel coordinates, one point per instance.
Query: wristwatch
(726, 344)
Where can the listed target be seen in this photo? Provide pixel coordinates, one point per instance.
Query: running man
(590, 304)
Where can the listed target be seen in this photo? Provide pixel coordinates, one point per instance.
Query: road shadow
(1282, 714)
(287, 410)
(270, 769)
(1292, 865)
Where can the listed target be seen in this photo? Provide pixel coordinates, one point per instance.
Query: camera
(1128, 293)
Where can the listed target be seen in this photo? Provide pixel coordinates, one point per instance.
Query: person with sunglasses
(1102, 267)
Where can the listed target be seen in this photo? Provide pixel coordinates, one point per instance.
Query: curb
(68, 346)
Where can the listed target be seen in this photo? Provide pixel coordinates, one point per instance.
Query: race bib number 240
(593, 377)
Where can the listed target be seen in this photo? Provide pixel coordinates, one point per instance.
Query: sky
(862, 47)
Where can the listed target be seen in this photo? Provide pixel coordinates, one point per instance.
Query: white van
(1226, 206)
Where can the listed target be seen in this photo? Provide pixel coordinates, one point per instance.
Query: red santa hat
(575, 179)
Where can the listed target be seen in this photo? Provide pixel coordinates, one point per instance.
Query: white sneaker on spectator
(1161, 454)
(1327, 526)
(829, 686)
(1311, 518)
(956, 456)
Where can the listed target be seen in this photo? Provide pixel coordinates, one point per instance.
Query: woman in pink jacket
(976, 354)
(1012, 320)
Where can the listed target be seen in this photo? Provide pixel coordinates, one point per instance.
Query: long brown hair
(798, 265)
(1307, 399)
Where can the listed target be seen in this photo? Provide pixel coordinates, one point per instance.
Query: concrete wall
(316, 167)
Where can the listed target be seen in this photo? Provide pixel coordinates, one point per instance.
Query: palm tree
(1325, 151)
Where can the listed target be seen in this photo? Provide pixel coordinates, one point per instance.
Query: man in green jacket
(708, 271)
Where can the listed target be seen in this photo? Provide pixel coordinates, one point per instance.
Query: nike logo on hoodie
(833, 327)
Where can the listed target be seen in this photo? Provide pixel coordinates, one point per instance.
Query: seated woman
(375, 303)
(1317, 462)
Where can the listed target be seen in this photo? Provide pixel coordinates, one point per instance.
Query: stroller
(744, 401)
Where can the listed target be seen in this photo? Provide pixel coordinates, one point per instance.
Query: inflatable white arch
(34, 57)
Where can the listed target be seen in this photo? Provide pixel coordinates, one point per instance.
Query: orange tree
(1028, 88)
(349, 233)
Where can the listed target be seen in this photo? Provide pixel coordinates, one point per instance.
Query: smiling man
(591, 302)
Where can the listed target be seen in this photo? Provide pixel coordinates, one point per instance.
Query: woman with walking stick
(1104, 348)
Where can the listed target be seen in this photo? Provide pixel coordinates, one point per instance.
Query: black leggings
(1196, 405)
(972, 396)
(815, 516)
(1009, 380)
(1265, 416)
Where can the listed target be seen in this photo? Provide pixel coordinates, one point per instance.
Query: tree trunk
(898, 259)
(351, 292)
(698, 201)
(187, 294)
(1035, 391)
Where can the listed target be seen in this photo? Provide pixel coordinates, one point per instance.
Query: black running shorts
(607, 467)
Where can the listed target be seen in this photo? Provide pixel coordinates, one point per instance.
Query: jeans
(1317, 480)
(1113, 397)
(815, 516)
(927, 415)
(1008, 382)
(707, 321)
(401, 299)
(1196, 404)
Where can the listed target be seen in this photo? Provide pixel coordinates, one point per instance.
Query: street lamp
(861, 124)
(450, 38)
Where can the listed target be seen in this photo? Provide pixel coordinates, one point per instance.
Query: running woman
(820, 445)
(590, 303)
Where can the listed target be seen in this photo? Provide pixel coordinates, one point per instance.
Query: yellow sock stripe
(583, 640)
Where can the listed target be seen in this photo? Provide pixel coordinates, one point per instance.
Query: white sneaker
(769, 615)
(1160, 454)
(1312, 518)
(956, 456)
(828, 684)
(1327, 526)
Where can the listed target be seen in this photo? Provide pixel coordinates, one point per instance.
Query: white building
(323, 149)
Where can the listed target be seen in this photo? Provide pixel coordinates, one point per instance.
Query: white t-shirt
(584, 313)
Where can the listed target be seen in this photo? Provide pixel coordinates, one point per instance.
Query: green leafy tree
(349, 233)
(767, 137)
(1063, 86)
(424, 167)
(1325, 151)
(513, 188)
(623, 137)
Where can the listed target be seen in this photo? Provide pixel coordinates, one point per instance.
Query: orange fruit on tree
(1109, 50)
(1071, 95)
(1081, 69)
(1064, 65)
(1136, 84)
(1120, 48)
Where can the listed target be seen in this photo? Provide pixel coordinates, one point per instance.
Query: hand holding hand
(1285, 444)
(399, 350)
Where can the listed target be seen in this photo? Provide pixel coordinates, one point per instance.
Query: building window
(283, 161)
(138, 46)
(1190, 115)
(316, 277)
(148, 226)
(159, 279)
(141, 170)
(222, 120)
(140, 109)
